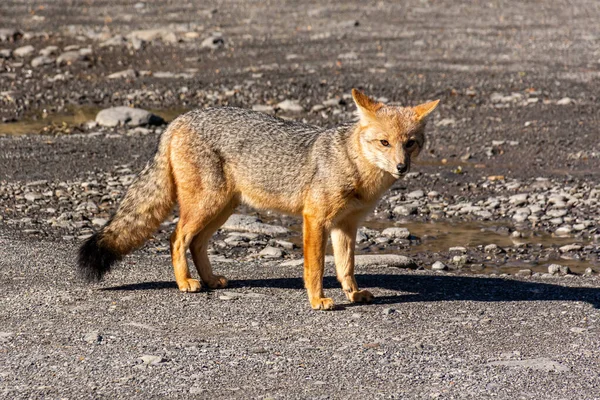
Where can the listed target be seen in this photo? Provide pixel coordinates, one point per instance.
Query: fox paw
(360, 296)
(189, 285)
(217, 282)
(322, 303)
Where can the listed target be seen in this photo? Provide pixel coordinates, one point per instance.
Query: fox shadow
(423, 288)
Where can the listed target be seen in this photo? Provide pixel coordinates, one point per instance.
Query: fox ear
(365, 106)
(423, 110)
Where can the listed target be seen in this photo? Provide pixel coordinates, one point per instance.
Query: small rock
(33, 196)
(491, 248)
(459, 249)
(554, 269)
(99, 221)
(49, 51)
(271, 252)
(152, 360)
(263, 108)
(439, 266)
(405, 210)
(132, 117)
(92, 337)
(563, 231)
(570, 247)
(128, 73)
(10, 35)
(388, 311)
(416, 194)
(588, 271)
(290, 106)
(459, 261)
(68, 57)
(397, 233)
(213, 42)
(565, 270)
(5, 53)
(565, 101)
(41, 60)
(24, 51)
(518, 199)
(446, 122)
(285, 244)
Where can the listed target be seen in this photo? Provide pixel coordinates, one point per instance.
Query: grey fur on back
(276, 156)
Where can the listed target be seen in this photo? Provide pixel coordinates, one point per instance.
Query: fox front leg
(343, 240)
(315, 240)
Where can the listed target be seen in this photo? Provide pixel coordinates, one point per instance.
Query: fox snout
(402, 168)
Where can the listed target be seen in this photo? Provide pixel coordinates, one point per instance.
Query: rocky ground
(503, 205)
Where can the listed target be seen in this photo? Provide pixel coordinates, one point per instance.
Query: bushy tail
(146, 204)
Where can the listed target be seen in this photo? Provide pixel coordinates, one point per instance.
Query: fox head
(391, 136)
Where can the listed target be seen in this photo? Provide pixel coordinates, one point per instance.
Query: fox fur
(210, 161)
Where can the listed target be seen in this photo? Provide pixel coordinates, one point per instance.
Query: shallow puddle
(38, 121)
(439, 237)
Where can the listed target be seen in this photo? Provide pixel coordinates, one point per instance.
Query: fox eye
(385, 143)
(411, 143)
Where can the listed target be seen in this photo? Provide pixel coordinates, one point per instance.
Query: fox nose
(402, 168)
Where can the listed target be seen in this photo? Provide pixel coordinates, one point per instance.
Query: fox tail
(146, 204)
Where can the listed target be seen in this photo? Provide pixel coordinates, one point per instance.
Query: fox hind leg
(198, 208)
(199, 247)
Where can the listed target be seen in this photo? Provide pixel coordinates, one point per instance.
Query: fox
(211, 160)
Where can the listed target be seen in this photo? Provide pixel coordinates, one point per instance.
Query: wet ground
(507, 184)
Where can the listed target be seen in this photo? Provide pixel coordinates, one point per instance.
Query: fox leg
(343, 240)
(199, 247)
(315, 240)
(197, 209)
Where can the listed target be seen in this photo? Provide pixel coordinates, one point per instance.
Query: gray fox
(211, 160)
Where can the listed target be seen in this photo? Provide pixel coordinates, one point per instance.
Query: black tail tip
(95, 259)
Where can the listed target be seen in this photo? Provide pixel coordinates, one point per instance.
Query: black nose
(402, 168)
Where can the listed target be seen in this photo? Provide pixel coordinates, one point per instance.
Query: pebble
(271, 252)
(152, 360)
(397, 233)
(213, 42)
(49, 51)
(491, 248)
(23, 51)
(565, 101)
(263, 108)
(439, 266)
(554, 269)
(290, 106)
(9, 34)
(563, 231)
(128, 73)
(570, 247)
(92, 337)
(405, 210)
(68, 57)
(417, 194)
(459, 249)
(33, 196)
(388, 311)
(41, 60)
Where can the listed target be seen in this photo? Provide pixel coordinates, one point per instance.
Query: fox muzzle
(402, 168)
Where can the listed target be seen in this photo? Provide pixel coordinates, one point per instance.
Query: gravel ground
(429, 335)
(499, 219)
